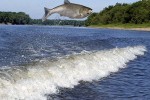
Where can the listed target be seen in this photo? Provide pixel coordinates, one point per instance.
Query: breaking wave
(33, 81)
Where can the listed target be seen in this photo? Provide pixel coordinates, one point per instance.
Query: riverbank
(138, 27)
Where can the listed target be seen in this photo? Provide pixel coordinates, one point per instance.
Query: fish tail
(47, 14)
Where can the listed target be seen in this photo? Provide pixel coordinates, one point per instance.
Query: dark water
(26, 50)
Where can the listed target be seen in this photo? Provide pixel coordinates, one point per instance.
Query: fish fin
(47, 14)
(66, 1)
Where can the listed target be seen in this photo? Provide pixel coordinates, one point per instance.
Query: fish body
(70, 10)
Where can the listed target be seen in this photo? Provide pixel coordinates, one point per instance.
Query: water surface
(68, 63)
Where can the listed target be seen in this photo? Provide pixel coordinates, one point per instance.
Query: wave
(33, 81)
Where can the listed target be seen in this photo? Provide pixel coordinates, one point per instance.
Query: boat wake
(33, 81)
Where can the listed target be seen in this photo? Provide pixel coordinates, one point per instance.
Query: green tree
(136, 13)
(14, 18)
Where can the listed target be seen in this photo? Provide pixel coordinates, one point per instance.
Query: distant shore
(111, 27)
(138, 27)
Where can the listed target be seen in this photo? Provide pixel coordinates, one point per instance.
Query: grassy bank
(125, 26)
(139, 27)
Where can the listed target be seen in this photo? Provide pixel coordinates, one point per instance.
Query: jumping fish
(68, 9)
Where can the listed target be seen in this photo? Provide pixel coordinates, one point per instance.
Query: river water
(73, 63)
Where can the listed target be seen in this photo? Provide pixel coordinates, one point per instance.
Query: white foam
(45, 78)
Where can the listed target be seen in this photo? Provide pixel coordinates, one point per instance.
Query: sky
(35, 8)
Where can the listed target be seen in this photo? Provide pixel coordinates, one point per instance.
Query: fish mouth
(90, 12)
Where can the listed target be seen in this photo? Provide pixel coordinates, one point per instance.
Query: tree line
(136, 13)
(22, 18)
(58, 22)
(14, 18)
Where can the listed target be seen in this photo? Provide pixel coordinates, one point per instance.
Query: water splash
(33, 81)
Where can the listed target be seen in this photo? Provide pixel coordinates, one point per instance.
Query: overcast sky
(35, 8)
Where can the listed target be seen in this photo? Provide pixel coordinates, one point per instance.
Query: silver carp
(71, 10)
